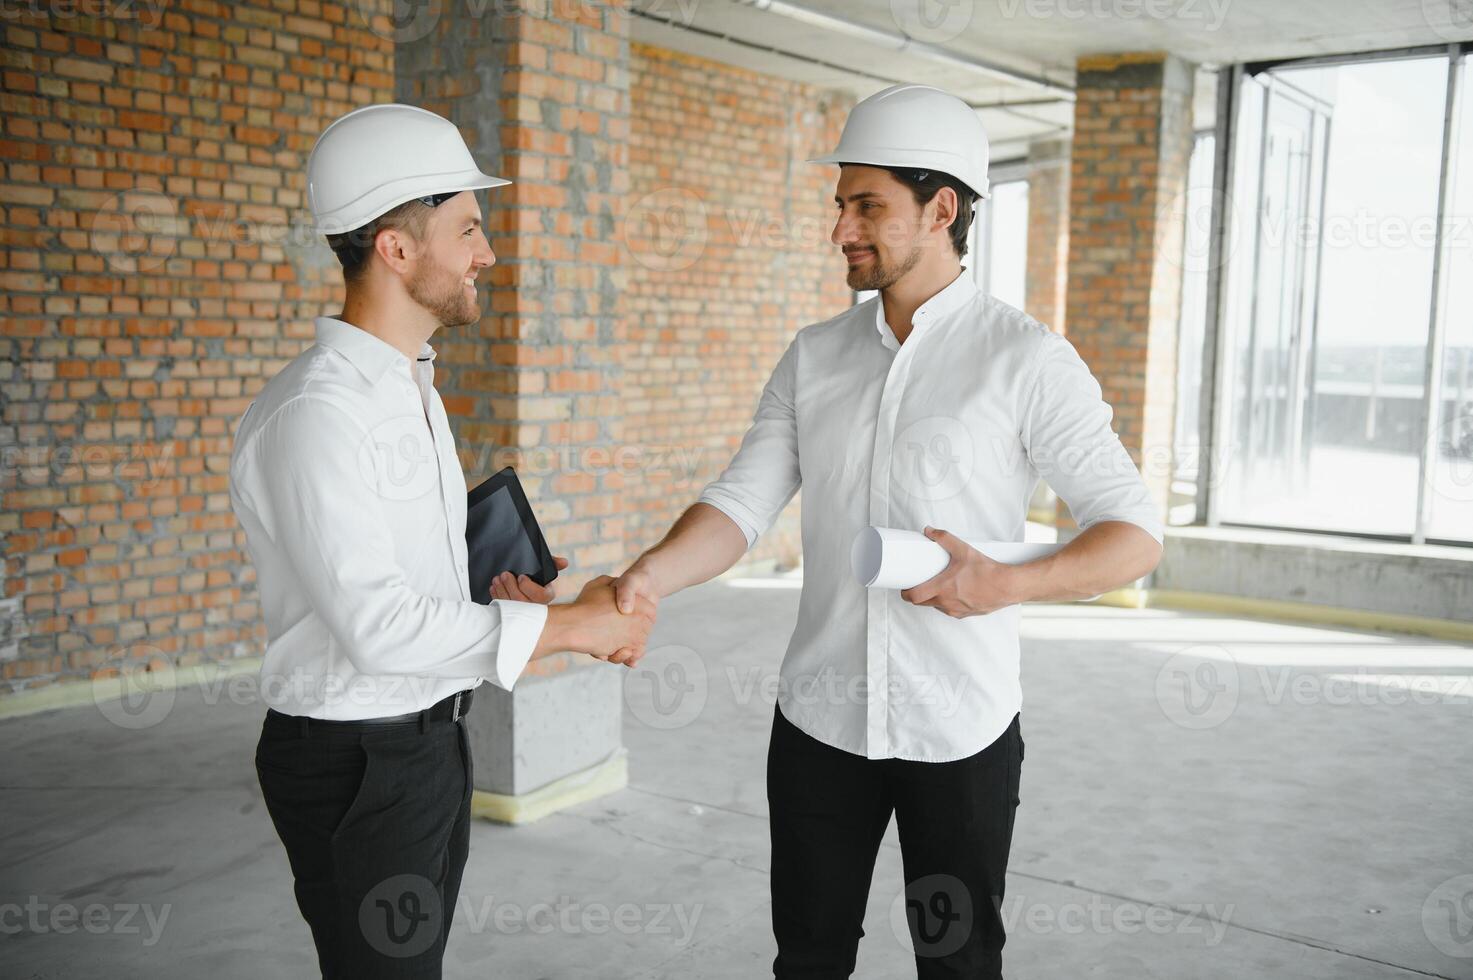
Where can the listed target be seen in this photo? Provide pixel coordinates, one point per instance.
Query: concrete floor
(1301, 815)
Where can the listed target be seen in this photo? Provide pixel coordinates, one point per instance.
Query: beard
(443, 294)
(878, 275)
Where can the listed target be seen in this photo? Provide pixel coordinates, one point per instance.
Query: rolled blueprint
(889, 558)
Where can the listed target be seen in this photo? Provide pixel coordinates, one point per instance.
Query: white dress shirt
(952, 429)
(345, 478)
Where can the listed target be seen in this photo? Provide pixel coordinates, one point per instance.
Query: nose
(844, 230)
(484, 257)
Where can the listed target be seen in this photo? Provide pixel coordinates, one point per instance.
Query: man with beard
(345, 478)
(930, 406)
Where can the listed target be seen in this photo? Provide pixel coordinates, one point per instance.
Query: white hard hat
(376, 158)
(919, 128)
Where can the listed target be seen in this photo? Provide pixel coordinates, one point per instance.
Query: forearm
(701, 545)
(1104, 557)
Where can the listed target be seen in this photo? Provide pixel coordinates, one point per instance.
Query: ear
(397, 248)
(947, 207)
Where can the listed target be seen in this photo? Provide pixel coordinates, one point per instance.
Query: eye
(868, 206)
(468, 232)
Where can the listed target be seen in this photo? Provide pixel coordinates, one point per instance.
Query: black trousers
(828, 812)
(376, 824)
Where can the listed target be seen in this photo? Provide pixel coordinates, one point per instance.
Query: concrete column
(1132, 144)
(541, 90)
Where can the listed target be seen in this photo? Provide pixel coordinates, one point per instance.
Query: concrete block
(547, 729)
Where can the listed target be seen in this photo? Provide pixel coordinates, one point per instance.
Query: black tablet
(501, 535)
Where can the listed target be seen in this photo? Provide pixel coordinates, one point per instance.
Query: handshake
(610, 620)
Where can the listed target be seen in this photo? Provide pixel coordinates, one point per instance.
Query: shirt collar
(370, 355)
(961, 291)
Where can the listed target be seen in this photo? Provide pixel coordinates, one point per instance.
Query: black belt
(451, 709)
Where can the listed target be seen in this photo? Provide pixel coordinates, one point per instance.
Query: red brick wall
(150, 285)
(157, 271)
(543, 89)
(1048, 232)
(1132, 143)
(729, 255)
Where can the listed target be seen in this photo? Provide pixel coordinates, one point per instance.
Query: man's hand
(971, 585)
(521, 587)
(593, 624)
(634, 584)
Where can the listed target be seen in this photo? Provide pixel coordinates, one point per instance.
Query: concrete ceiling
(1041, 39)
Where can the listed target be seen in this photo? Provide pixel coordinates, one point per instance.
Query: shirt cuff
(521, 627)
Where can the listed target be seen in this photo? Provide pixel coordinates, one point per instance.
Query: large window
(1327, 415)
(999, 246)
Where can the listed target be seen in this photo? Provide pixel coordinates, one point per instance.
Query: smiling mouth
(859, 255)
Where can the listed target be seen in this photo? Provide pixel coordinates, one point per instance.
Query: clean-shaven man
(930, 407)
(345, 478)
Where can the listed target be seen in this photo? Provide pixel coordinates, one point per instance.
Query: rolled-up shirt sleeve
(763, 475)
(1067, 435)
(324, 513)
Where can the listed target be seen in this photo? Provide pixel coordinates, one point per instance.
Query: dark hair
(924, 184)
(353, 248)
